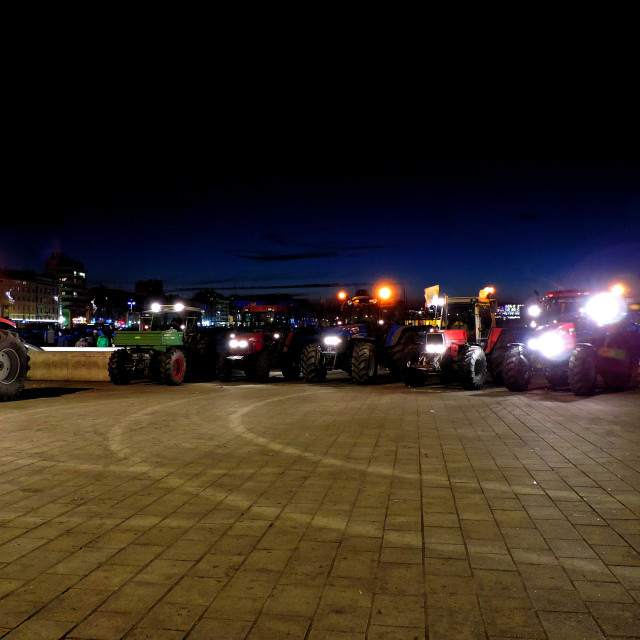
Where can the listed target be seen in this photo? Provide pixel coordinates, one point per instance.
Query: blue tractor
(370, 332)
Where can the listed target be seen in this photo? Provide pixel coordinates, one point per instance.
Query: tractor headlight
(332, 341)
(605, 308)
(550, 344)
(435, 348)
(238, 344)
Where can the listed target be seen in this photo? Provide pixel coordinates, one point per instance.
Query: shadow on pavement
(33, 393)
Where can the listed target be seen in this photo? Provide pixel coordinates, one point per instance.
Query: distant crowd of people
(68, 337)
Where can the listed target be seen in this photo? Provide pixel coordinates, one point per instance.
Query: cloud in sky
(348, 251)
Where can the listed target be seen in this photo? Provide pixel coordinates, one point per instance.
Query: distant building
(75, 303)
(27, 297)
(216, 307)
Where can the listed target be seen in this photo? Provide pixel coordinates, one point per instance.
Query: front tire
(311, 365)
(120, 367)
(472, 367)
(516, 369)
(14, 365)
(583, 371)
(262, 367)
(173, 366)
(364, 363)
(223, 368)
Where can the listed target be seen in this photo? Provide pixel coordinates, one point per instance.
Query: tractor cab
(170, 318)
(368, 310)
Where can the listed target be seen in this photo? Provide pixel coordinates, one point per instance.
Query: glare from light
(342, 295)
(384, 293)
(155, 307)
(617, 289)
(276, 336)
(435, 348)
(332, 341)
(178, 306)
(534, 311)
(550, 344)
(605, 308)
(238, 344)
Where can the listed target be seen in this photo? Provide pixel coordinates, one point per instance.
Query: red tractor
(14, 361)
(460, 341)
(581, 338)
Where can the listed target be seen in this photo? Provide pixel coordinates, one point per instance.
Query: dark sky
(483, 162)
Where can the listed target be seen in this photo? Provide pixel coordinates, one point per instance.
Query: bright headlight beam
(332, 341)
(605, 308)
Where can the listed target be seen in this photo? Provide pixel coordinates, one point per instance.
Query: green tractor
(168, 346)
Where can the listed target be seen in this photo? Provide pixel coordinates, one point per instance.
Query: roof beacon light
(384, 293)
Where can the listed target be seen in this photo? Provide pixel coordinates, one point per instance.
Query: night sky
(251, 171)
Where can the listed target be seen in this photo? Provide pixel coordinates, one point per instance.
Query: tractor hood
(336, 336)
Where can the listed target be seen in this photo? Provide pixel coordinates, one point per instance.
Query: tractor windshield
(561, 309)
(361, 312)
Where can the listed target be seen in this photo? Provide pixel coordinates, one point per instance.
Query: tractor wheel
(472, 367)
(558, 378)
(495, 359)
(120, 367)
(447, 369)
(173, 366)
(583, 371)
(405, 350)
(311, 366)
(223, 368)
(14, 365)
(516, 369)
(414, 378)
(364, 363)
(262, 367)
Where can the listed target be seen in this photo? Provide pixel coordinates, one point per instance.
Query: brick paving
(313, 512)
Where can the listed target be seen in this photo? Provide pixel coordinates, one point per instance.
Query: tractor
(370, 332)
(14, 361)
(580, 337)
(266, 337)
(167, 340)
(460, 341)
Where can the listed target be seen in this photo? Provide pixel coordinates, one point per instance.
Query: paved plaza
(318, 512)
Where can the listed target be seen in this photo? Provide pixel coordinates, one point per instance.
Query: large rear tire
(404, 351)
(364, 363)
(472, 367)
(173, 366)
(120, 367)
(516, 369)
(14, 365)
(311, 365)
(583, 371)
